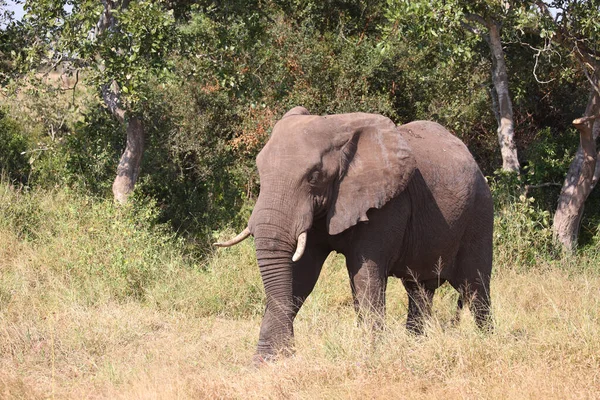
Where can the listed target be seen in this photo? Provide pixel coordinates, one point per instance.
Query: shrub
(107, 252)
(13, 148)
(522, 230)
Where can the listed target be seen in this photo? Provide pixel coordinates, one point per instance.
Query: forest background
(128, 134)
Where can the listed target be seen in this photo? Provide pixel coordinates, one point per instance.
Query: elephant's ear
(376, 165)
(299, 110)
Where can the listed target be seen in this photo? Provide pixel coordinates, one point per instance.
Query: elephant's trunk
(285, 219)
(279, 224)
(275, 263)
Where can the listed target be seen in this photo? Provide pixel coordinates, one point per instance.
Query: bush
(522, 230)
(106, 251)
(59, 247)
(13, 148)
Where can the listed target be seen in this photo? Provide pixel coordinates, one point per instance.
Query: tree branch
(476, 18)
(541, 185)
(537, 58)
(111, 97)
(53, 66)
(471, 28)
(543, 8)
(583, 54)
(584, 120)
(584, 67)
(111, 93)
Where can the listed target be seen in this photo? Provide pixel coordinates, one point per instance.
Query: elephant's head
(334, 167)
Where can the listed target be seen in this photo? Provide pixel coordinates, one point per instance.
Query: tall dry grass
(98, 302)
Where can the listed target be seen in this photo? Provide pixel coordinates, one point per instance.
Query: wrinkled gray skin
(405, 201)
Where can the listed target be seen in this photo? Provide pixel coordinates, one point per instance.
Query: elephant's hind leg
(473, 268)
(472, 281)
(420, 298)
(477, 296)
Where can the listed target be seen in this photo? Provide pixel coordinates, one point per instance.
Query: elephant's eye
(313, 177)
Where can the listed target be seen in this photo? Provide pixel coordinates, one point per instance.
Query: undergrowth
(65, 246)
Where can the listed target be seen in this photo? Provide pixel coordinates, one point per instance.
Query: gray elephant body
(405, 201)
(440, 227)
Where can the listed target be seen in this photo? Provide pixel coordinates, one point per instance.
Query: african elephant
(406, 201)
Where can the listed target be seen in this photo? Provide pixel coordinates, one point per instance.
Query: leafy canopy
(122, 41)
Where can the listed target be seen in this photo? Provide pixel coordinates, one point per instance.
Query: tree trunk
(581, 178)
(130, 163)
(506, 131)
(129, 166)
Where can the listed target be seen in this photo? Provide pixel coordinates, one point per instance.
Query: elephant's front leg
(368, 282)
(285, 300)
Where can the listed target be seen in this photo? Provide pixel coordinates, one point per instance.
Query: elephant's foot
(266, 353)
(483, 319)
(259, 360)
(416, 326)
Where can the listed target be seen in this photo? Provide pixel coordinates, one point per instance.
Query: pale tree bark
(501, 100)
(506, 125)
(595, 134)
(130, 163)
(129, 166)
(581, 177)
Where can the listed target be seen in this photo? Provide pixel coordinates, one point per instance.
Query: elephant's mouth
(300, 244)
(320, 212)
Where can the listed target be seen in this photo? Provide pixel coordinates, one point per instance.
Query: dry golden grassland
(96, 303)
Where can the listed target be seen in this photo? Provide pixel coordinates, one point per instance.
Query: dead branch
(584, 120)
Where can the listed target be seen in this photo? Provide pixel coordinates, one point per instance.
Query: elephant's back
(448, 193)
(445, 163)
(434, 146)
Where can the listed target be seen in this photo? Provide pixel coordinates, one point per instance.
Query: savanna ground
(100, 302)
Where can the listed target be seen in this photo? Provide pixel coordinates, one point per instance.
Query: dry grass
(192, 333)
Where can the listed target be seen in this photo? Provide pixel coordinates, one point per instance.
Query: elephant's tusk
(243, 235)
(300, 247)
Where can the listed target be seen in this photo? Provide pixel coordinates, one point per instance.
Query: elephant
(406, 201)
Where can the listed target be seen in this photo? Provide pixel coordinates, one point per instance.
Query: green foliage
(211, 78)
(87, 157)
(5, 15)
(104, 250)
(522, 230)
(11, 41)
(51, 118)
(240, 81)
(76, 248)
(189, 168)
(549, 156)
(137, 51)
(125, 44)
(349, 17)
(578, 19)
(13, 149)
(326, 73)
